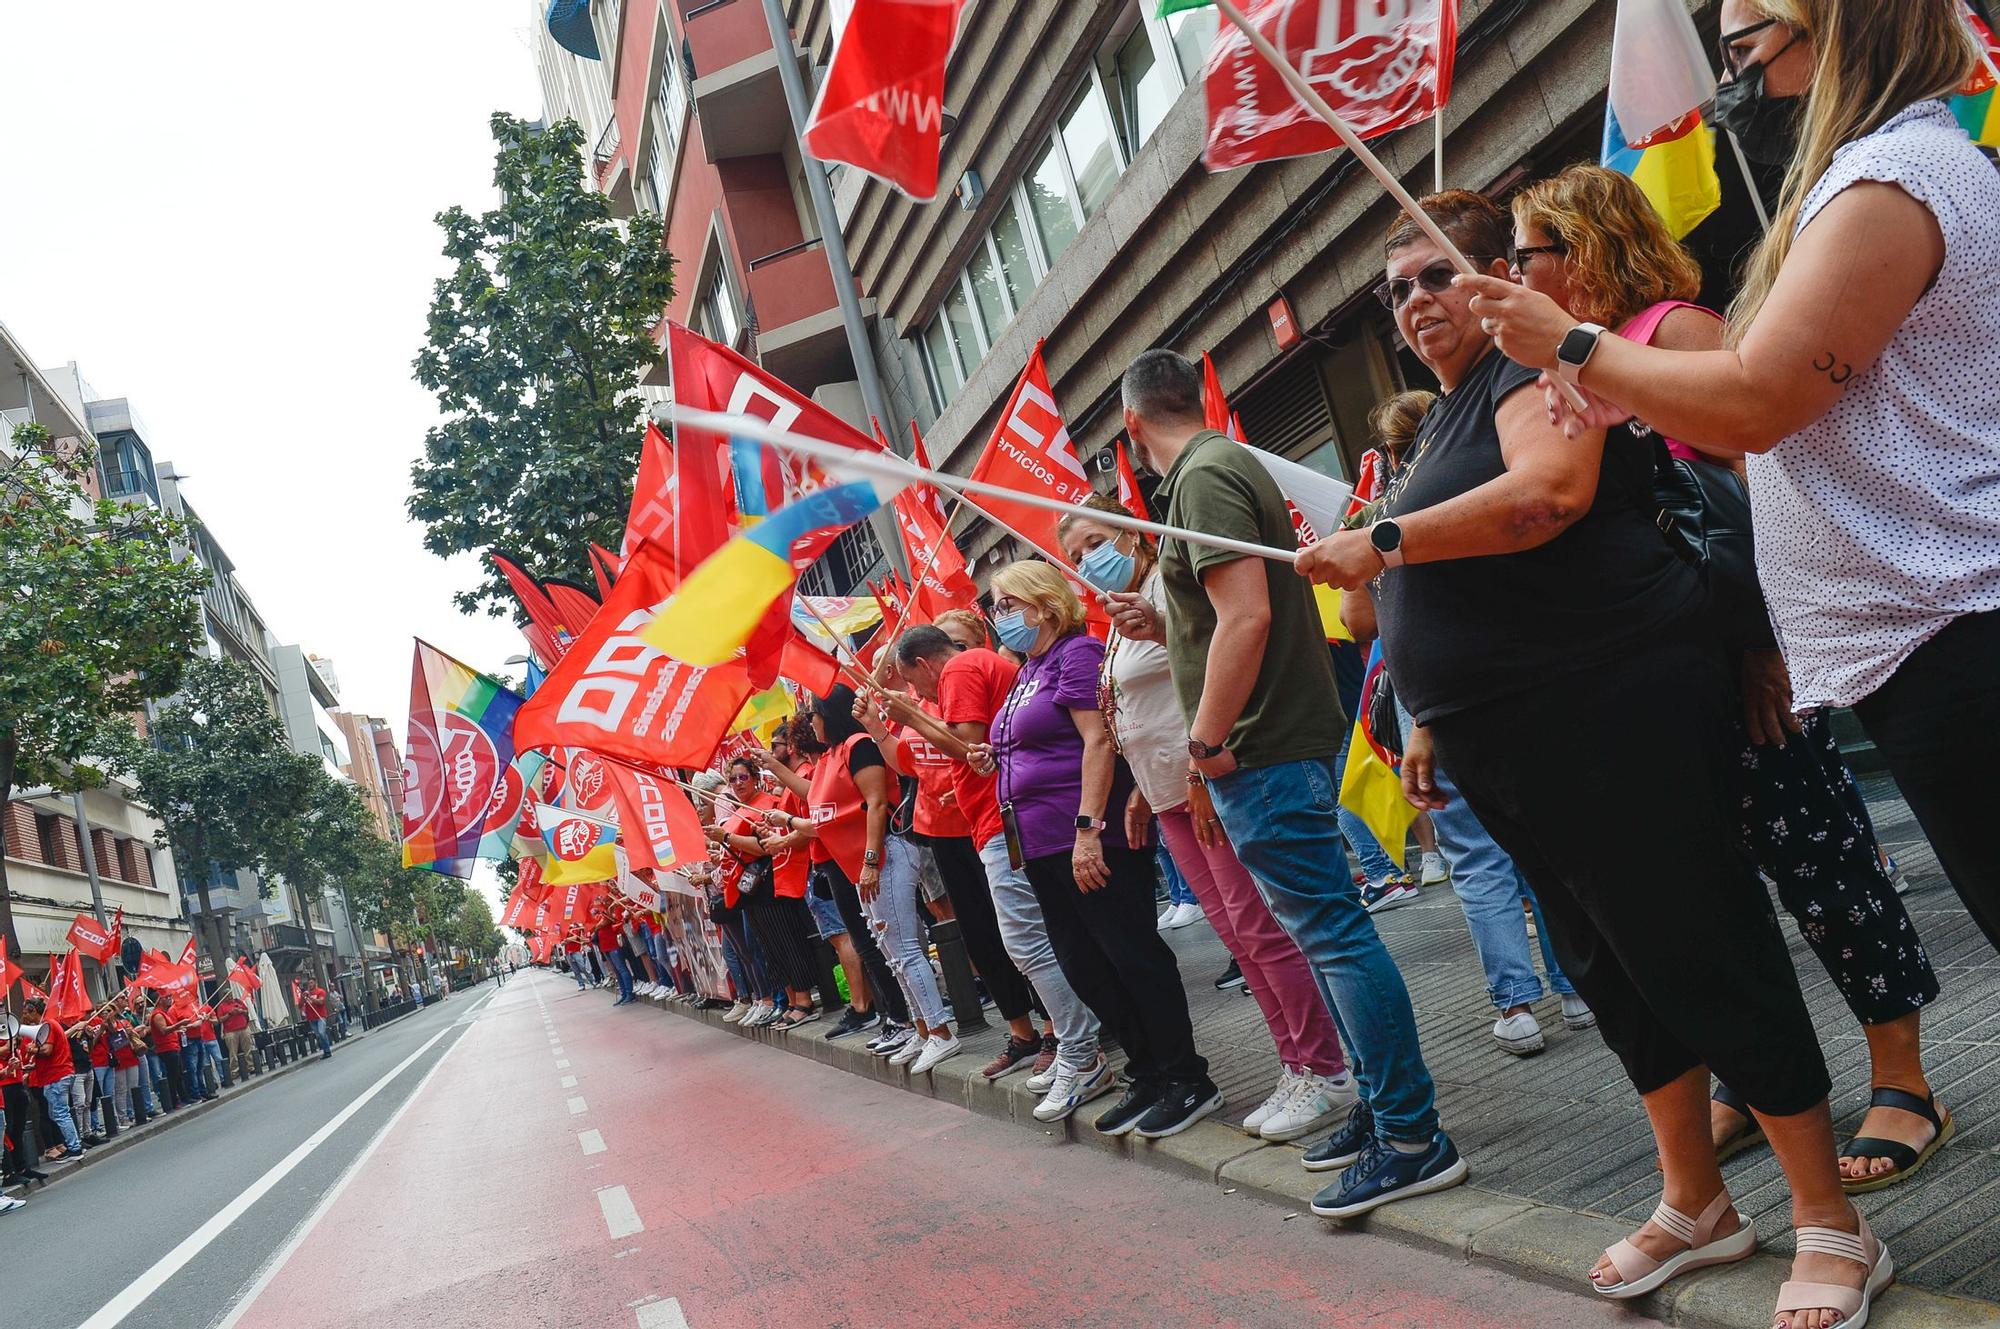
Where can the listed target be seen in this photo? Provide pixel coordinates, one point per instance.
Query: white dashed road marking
(592, 1142)
(619, 1215)
(569, 1082)
(663, 1314)
(576, 1105)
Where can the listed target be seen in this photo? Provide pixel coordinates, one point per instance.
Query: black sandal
(1749, 1137)
(1906, 1159)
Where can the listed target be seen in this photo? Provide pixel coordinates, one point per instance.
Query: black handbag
(1703, 510)
(1385, 723)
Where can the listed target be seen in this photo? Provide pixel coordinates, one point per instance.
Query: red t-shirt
(936, 777)
(100, 1047)
(971, 687)
(235, 1015)
(53, 1063)
(312, 1006)
(127, 1057)
(165, 1038)
(607, 937)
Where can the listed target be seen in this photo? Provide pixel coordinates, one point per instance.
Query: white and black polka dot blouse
(1880, 524)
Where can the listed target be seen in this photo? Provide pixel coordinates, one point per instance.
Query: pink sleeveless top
(1641, 330)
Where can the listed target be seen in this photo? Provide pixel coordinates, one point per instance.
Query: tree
(324, 845)
(98, 614)
(222, 781)
(537, 340)
(472, 927)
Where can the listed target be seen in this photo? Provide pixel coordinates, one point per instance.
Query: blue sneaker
(1398, 888)
(1383, 1175)
(1341, 1148)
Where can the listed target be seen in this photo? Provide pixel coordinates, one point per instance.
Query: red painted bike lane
(688, 1177)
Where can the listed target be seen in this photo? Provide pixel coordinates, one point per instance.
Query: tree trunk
(304, 906)
(208, 932)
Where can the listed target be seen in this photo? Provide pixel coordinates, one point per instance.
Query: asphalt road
(533, 1156)
(172, 1232)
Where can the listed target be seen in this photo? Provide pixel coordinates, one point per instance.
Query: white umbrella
(271, 1004)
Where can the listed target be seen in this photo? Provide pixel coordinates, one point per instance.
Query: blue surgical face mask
(1108, 569)
(1015, 632)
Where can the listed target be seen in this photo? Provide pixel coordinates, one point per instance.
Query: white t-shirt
(1148, 721)
(1879, 524)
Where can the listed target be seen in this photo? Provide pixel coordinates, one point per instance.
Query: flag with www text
(881, 106)
(1653, 130)
(1031, 451)
(1380, 65)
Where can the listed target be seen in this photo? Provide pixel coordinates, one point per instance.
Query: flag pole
(1303, 89)
(894, 468)
(1756, 194)
(1437, 146)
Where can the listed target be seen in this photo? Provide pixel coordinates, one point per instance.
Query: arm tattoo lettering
(1835, 368)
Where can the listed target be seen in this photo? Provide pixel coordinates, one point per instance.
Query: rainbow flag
(722, 602)
(460, 750)
(1371, 787)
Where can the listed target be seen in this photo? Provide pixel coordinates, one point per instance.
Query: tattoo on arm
(1835, 368)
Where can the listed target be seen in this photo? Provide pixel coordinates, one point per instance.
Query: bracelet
(1194, 778)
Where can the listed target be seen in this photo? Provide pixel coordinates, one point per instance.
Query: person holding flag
(51, 1065)
(234, 1014)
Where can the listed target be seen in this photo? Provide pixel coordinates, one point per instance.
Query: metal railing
(786, 252)
(607, 142)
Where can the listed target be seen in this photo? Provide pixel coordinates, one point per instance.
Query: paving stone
(1202, 1150)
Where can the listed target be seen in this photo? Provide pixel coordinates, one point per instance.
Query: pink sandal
(1852, 1303)
(1639, 1273)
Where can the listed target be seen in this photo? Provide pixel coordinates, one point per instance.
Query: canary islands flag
(581, 847)
(1653, 130)
(721, 603)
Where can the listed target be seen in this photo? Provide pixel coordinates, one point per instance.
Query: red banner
(808, 666)
(657, 825)
(243, 976)
(545, 632)
(68, 998)
(947, 583)
(529, 893)
(188, 952)
(614, 694)
(922, 457)
(1380, 64)
(89, 936)
(1129, 496)
(574, 905)
(655, 496)
(1031, 452)
(159, 973)
(9, 972)
(881, 106)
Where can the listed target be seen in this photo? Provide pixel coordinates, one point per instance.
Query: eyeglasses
(1733, 58)
(1518, 255)
(1436, 279)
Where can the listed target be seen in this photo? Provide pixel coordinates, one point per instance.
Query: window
(940, 367)
(1142, 86)
(1011, 242)
(671, 100)
(1092, 149)
(604, 18)
(716, 314)
(984, 277)
(958, 321)
(1193, 33)
(1052, 202)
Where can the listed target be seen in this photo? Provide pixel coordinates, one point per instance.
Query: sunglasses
(1436, 279)
(1518, 255)
(1733, 58)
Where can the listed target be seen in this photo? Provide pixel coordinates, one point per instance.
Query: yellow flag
(1372, 791)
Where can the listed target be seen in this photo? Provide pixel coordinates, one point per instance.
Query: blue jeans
(576, 967)
(826, 917)
(1178, 891)
(319, 1033)
(57, 1097)
(211, 1056)
(1490, 889)
(1368, 852)
(107, 1098)
(622, 971)
(1282, 821)
(191, 1062)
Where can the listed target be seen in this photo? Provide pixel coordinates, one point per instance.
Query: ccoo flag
(1653, 129)
(579, 846)
(460, 744)
(1031, 451)
(881, 108)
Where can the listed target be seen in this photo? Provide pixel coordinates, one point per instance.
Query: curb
(136, 1135)
(1539, 1242)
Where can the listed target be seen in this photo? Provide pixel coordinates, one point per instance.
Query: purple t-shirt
(1041, 753)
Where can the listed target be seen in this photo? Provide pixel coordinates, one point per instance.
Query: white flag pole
(1437, 147)
(1303, 89)
(888, 466)
(1756, 194)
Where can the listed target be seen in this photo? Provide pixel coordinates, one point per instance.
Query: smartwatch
(1084, 823)
(1201, 751)
(1387, 538)
(1576, 350)
(871, 857)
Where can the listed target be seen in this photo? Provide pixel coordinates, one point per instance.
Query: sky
(226, 215)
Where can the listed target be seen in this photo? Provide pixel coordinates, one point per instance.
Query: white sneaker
(1073, 1088)
(1435, 871)
(1166, 918)
(1041, 1084)
(736, 1012)
(1577, 1015)
(1185, 914)
(1288, 1084)
(1519, 1034)
(912, 1048)
(766, 1012)
(890, 1044)
(1314, 1103)
(8, 1204)
(936, 1049)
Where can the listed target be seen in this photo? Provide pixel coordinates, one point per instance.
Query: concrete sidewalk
(1562, 1160)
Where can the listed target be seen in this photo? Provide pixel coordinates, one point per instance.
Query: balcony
(800, 336)
(737, 92)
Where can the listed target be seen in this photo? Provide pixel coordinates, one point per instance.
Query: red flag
(946, 582)
(29, 992)
(544, 628)
(243, 976)
(117, 930)
(1031, 452)
(604, 567)
(156, 971)
(808, 666)
(187, 952)
(658, 826)
(298, 997)
(1214, 406)
(1129, 496)
(576, 903)
(1982, 79)
(1380, 64)
(68, 998)
(92, 938)
(881, 106)
(614, 694)
(529, 892)
(9, 972)
(923, 459)
(654, 495)
(575, 606)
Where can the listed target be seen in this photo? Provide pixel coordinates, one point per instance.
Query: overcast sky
(225, 214)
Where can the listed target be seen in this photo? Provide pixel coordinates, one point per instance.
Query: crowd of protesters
(144, 1054)
(1612, 708)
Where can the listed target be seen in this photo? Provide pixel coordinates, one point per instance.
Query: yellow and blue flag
(722, 602)
(581, 848)
(1371, 787)
(1653, 130)
(1676, 173)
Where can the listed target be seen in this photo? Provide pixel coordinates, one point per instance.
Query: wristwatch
(872, 857)
(1084, 823)
(1576, 350)
(1201, 751)
(1387, 538)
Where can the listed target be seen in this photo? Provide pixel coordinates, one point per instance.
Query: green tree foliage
(222, 781)
(472, 927)
(98, 614)
(324, 846)
(537, 340)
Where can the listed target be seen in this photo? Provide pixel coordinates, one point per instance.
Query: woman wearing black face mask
(1861, 373)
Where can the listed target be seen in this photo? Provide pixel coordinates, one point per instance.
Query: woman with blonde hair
(1143, 716)
(1062, 793)
(1861, 373)
(1591, 241)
